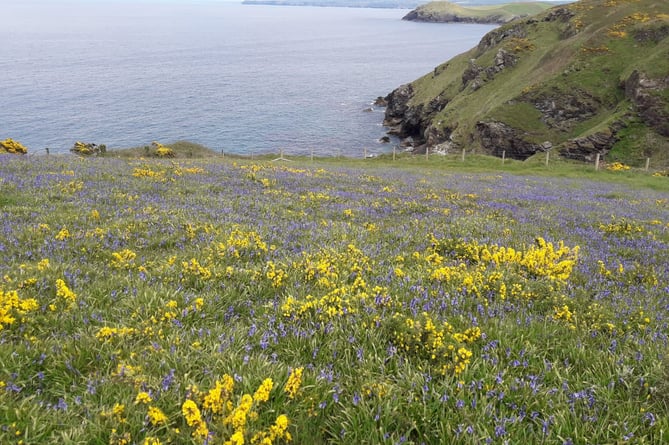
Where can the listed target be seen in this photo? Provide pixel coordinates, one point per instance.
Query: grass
(336, 301)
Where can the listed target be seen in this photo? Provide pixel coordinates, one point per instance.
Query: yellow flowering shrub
(12, 306)
(158, 175)
(438, 343)
(123, 259)
(11, 146)
(541, 260)
(276, 275)
(43, 264)
(218, 396)
(193, 268)
(621, 226)
(617, 167)
(277, 431)
(108, 333)
(88, 148)
(240, 243)
(156, 416)
(262, 393)
(162, 151)
(63, 234)
(194, 419)
(65, 293)
(294, 382)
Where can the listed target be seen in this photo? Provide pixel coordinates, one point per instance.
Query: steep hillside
(585, 78)
(447, 12)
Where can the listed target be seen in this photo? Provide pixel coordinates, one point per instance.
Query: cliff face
(585, 78)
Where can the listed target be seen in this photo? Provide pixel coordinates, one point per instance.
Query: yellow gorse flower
(156, 416)
(191, 412)
(194, 419)
(238, 416)
(43, 265)
(143, 397)
(262, 393)
(11, 306)
(63, 234)
(64, 292)
(123, 259)
(215, 399)
(9, 145)
(294, 382)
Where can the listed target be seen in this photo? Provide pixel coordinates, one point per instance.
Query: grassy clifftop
(446, 12)
(585, 78)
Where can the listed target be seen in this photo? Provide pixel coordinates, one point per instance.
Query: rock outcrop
(498, 138)
(586, 148)
(646, 94)
(409, 123)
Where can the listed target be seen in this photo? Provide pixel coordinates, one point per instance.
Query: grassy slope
(591, 63)
(124, 242)
(502, 13)
(182, 149)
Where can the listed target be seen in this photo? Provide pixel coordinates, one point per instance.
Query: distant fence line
(462, 154)
(396, 151)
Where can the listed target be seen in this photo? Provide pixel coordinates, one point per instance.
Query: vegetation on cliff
(178, 149)
(585, 78)
(447, 12)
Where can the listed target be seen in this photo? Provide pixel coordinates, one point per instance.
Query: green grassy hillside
(446, 12)
(586, 78)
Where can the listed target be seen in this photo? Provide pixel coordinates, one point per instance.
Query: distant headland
(388, 4)
(447, 12)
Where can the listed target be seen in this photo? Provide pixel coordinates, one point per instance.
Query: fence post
(427, 153)
(365, 152)
(394, 149)
(597, 162)
(503, 156)
(548, 155)
(647, 163)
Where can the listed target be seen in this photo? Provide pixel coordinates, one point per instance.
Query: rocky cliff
(580, 79)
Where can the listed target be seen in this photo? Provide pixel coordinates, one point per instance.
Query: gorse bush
(11, 146)
(162, 151)
(155, 301)
(88, 149)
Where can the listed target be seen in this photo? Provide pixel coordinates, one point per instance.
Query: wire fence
(396, 152)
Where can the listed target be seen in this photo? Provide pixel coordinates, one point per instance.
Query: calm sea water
(232, 77)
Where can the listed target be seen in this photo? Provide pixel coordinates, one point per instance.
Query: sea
(243, 79)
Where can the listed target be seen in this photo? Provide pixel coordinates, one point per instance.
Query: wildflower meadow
(228, 301)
